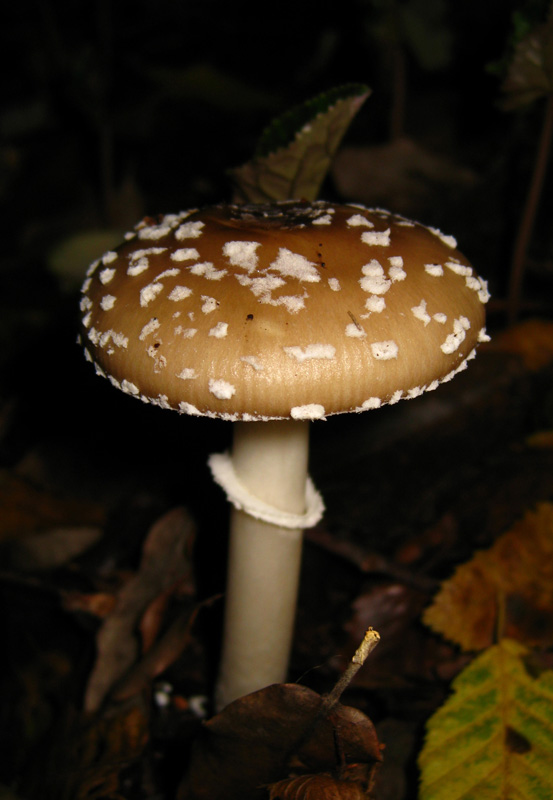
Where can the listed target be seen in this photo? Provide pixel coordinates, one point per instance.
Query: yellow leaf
(504, 591)
(493, 738)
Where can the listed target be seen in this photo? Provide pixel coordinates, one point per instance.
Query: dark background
(114, 110)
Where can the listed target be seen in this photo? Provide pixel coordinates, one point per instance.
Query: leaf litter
(261, 738)
(493, 737)
(165, 565)
(506, 590)
(250, 741)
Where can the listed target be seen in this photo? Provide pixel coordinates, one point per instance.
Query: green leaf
(530, 72)
(295, 152)
(493, 738)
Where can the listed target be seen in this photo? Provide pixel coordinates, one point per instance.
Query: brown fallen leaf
(165, 563)
(164, 652)
(259, 739)
(403, 655)
(51, 549)
(364, 559)
(94, 760)
(26, 508)
(99, 604)
(317, 787)
(509, 586)
(152, 619)
(107, 750)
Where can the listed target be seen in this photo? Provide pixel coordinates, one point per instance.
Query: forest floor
(88, 477)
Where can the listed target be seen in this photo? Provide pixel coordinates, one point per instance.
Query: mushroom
(271, 316)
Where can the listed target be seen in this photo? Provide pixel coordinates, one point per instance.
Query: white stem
(270, 459)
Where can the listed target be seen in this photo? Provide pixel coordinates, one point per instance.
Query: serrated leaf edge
(436, 740)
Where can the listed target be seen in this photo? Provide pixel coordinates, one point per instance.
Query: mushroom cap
(291, 310)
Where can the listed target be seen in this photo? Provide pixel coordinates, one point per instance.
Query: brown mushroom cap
(289, 310)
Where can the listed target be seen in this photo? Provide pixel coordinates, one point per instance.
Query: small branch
(369, 562)
(366, 647)
(330, 700)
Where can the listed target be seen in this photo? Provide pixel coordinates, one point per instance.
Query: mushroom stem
(270, 460)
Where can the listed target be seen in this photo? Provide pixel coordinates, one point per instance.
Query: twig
(330, 700)
(370, 640)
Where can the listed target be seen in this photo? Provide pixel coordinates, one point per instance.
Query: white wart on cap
(292, 310)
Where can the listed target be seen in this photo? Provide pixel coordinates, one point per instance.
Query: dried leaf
(152, 619)
(100, 753)
(38, 552)
(295, 152)
(100, 604)
(166, 650)
(165, 562)
(511, 585)
(250, 743)
(26, 508)
(394, 610)
(316, 787)
(494, 736)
